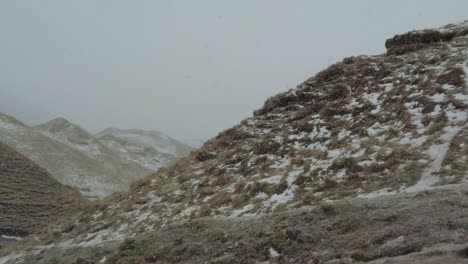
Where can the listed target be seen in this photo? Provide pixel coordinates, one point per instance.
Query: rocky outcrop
(415, 40)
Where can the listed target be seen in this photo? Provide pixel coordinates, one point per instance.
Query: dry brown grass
(140, 183)
(204, 211)
(439, 122)
(426, 120)
(239, 186)
(348, 163)
(266, 146)
(30, 198)
(239, 201)
(220, 199)
(453, 76)
(302, 126)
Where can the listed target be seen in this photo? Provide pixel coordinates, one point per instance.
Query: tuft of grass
(327, 209)
(439, 122)
(454, 76)
(220, 199)
(266, 146)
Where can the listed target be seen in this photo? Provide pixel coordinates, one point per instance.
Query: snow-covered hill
(97, 165)
(364, 162)
(72, 135)
(74, 160)
(150, 149)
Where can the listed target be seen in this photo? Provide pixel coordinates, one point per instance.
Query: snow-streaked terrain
(93, 165)
(92, 168)
(72, 135)
(150, 149)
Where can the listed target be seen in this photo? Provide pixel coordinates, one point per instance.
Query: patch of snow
(261, 196)
(12, 237)
(321, 131)
(271, 180)
(280, 164)
(448, 87)
(242, 210)
(143, 216)
(100, 238)
(388, 87)
(13, 257)
(456, 115)
(377, 110)
(372, 97)
(439, 97)
(187, 211)
(412, 141)
(340, 174)
(436, 110)
(436, 154)
(154, 198)
(343, 133)
(361, 152)
(465, 69)
(394, 242)
(378, 193)
(292, 176)
(461, 97)
(273, 253)
(281, 198)
(354, 102)
(375, 129)
(334, 153)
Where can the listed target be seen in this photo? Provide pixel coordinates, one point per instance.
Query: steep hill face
(71, 156)
(29, 198)
(364, 162)
(151, 149)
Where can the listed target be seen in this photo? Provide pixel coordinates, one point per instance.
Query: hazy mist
(187, 68)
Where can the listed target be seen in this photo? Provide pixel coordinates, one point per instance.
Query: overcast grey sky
(187, 68)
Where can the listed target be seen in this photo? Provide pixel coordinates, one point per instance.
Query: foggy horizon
(183, 68)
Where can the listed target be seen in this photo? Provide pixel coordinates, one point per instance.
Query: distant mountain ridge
(70, 134)
(150, 149)
(77, 158)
